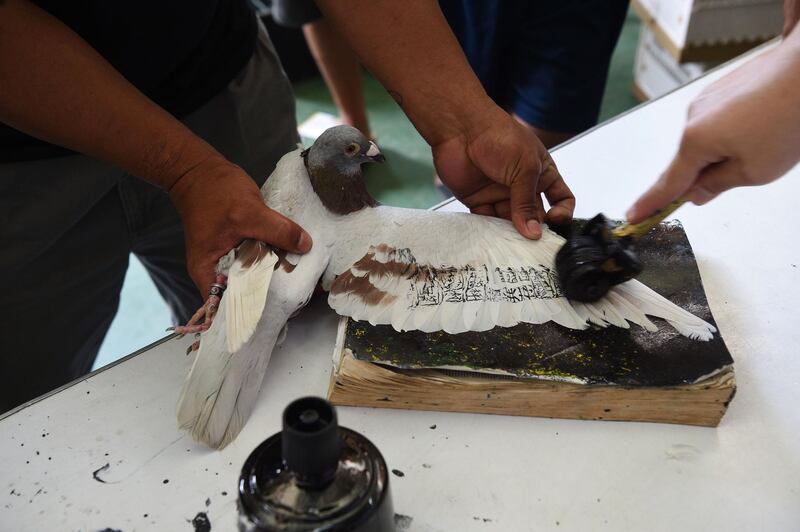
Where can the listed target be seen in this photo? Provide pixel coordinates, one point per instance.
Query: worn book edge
(359, 383)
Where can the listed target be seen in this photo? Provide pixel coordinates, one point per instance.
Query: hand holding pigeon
(502, 169)
(217, 220)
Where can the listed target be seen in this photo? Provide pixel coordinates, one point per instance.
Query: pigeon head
(334, 168)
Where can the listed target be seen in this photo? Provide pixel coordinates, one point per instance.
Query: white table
(487, 473)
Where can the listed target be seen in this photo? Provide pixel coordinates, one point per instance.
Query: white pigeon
(408, 268)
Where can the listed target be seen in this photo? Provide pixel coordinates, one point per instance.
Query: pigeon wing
(489, 276)
(221, 387)
(246, 294)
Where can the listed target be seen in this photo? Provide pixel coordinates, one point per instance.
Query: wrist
(439, 118)
(199, 179)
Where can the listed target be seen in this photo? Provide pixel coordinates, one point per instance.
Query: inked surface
(595, 356)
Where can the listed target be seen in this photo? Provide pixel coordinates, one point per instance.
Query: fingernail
(533, 227)
(304, 242)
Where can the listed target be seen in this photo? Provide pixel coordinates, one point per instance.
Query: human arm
(791, 13)
(57, 88)
(742, 130)
(494, 165)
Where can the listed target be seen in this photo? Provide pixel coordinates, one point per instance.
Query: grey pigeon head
(334, 168)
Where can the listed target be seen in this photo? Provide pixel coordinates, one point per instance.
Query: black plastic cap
(310, 442)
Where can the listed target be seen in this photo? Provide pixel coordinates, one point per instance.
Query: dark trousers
(69, 224)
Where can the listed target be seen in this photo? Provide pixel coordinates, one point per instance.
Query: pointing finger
(675, 181)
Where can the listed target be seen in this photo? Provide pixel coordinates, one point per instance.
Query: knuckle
(692, 137)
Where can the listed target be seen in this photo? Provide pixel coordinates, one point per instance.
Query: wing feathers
(246, 294)
(503, 280)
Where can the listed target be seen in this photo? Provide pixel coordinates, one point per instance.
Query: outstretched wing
(491, 276)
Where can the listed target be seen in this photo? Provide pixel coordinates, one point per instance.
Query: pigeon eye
(352, 149)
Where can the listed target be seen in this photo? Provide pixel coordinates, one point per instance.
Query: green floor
(406, 180)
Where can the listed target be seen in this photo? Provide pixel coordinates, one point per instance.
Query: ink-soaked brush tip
(592, 261)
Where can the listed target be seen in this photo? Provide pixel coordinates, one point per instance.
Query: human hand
(791, 14)
(742, 130)
(502, 169)
(220, 206)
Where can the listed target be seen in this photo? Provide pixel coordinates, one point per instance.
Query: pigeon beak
(374, 154)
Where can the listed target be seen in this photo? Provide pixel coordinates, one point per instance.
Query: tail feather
(221, 389)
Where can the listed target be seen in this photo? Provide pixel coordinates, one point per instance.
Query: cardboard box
(656, 72)
(710, 30)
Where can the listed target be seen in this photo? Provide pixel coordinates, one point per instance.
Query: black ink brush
(601, 256)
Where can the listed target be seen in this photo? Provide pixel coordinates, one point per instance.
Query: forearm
(57, 88)
(410, 48)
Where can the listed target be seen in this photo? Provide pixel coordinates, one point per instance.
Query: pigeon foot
(206, 313)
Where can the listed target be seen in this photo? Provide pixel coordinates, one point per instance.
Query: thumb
(279, 231)
(676, 180)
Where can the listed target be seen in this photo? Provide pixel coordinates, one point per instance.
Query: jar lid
(314, 475)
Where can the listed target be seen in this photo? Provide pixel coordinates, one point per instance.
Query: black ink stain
(165, 481)
(224, 493)
(432, 427)
(398, 473)
(402, 522)
(201, 523)
(426, 466)
(208, 502)
(110, 529)
(484, 519)
(96, 473)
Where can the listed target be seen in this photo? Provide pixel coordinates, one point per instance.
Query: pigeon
(409, 268)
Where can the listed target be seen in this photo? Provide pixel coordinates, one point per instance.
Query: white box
(710, 30)
(656, 72)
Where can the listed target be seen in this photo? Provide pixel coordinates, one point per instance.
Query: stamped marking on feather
(469, 284)
(431, 285)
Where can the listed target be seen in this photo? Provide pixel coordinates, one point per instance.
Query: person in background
(544, 62)
(335, 59)
(742, 130)
(148, 129)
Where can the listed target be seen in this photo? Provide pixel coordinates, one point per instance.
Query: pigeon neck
(340, 193)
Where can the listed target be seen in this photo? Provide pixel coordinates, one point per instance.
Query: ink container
(315, 475)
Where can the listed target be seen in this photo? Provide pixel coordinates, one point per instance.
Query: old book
(548, 370)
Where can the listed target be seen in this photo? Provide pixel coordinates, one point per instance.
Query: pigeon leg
(206, 312)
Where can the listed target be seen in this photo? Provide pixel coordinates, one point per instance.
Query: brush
(601, 255)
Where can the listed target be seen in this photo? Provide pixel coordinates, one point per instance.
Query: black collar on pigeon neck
(339, 193)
